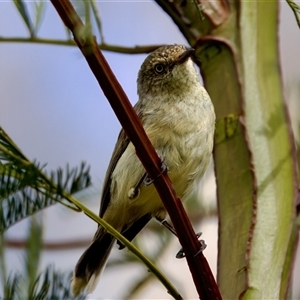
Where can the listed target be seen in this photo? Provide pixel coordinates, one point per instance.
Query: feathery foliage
(296, 10)
(30, 283)
(25, 188)
(50, 284)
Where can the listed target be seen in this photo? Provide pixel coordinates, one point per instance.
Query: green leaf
(26, 189)
(7, 144)
(83, 9)
(24, 193)
(39, 9)
(20, 206)
(296, 10)
(34, 243)
(11, 288)
(48, 285)
(97, 18)
(22, 8)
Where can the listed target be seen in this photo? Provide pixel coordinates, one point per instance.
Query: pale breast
(182, 134)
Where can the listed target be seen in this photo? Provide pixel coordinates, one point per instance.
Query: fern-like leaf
(296, 10)
(25, 188)
(48, 285)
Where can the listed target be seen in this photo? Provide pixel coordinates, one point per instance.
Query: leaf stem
(46, 184)
(102, 46)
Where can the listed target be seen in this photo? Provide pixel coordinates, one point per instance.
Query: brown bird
(179, 119)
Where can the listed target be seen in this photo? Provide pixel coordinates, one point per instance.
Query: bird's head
(168, 68)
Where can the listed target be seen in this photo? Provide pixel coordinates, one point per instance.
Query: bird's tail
(91, 263)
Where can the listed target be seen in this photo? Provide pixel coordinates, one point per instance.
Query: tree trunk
(254, 153)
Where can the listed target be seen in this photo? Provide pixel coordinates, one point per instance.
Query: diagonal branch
(202, 275)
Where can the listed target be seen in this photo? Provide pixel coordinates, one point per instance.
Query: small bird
(179, 119)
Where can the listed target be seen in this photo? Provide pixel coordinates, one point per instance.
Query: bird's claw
(164, 169)
(181, 253)
(134, 191)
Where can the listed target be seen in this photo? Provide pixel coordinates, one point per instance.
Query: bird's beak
(185, 55)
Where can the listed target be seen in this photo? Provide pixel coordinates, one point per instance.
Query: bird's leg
(134, 191)
(164, 169)
(168, 226)
(181, 253)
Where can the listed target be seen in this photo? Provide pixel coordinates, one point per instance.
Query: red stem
(200, 270)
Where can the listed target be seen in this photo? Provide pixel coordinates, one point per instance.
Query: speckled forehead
(170, 51)
(164, 54)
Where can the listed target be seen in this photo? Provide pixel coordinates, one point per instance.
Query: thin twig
(102, 46)
(49, 246)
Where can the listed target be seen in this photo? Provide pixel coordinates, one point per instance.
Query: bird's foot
(181, 253)
(135, 190)
(164, 169)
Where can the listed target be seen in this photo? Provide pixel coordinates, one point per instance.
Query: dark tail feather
(134, 229)
(92, 262)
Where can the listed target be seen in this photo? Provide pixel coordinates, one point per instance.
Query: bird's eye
(159, 68)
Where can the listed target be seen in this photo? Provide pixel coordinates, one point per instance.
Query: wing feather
(120, 147)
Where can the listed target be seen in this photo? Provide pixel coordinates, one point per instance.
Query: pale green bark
(254, 149)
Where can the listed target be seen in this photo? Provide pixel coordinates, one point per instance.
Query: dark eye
(159, 68)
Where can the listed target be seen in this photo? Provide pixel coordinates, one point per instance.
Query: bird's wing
(120, 148)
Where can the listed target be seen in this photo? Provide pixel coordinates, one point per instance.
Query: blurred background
(54, 110)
